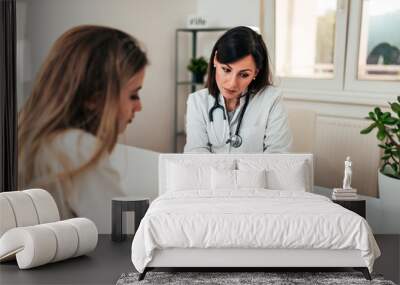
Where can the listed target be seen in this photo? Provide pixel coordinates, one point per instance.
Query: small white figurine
(347, 174)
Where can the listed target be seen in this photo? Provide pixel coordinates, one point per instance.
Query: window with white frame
(379, 54)
(336, 45)
(305, 38)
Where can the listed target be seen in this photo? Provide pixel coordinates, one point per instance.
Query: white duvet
(251, 218)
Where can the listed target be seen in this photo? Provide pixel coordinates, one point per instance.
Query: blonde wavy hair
(87, 65)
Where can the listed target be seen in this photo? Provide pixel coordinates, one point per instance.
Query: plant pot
(389, 194)
(198, 78)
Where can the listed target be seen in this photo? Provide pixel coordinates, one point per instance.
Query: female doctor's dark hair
(235, 44)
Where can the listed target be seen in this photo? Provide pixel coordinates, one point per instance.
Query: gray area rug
(225, 278)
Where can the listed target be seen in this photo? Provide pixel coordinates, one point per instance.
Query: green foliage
(198, 65)
(388, 132)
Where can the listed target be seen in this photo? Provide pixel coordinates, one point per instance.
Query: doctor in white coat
(239, 111)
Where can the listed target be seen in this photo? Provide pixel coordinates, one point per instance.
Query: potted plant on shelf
(198, 67)
(388, 133)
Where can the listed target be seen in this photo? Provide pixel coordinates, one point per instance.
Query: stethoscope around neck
(235, 140)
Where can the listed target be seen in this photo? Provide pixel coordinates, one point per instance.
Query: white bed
(225, 217)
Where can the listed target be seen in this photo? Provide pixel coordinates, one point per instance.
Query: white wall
(225, 14)
(153, 22)
(230, 13)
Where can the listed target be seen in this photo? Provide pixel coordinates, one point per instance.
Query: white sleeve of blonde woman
(93, 191)
(89, 193)
(197, 140)
(278, 137)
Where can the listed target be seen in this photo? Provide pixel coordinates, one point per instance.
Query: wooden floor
(111, 259)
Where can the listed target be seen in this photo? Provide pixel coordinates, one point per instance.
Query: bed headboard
(212, 159)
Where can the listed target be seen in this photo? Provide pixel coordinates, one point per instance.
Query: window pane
(305, 38)
(379, 57)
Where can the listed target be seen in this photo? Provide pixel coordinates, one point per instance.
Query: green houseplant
(388, 133)
(198, 67)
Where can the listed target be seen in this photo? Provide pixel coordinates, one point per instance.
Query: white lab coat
(264, 126)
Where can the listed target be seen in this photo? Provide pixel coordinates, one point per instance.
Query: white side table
(122, 204)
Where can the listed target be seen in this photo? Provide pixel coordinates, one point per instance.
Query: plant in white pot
(388, 127)
(388, 133)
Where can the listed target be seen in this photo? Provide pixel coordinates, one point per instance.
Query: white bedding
(251, 218)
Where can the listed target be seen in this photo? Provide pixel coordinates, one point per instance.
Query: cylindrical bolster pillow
(33, 246)
(41, 244)
(26, 208)
(45, 205)
(87, 234)
(23, 208)
(67, 240)
(7, 218)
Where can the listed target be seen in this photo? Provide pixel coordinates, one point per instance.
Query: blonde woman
(85, 95)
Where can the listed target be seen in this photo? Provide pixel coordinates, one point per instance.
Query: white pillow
(281, 174)
(183, 176)
(223, 179)
(251, 178)
(293, 179)
(237, 179)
